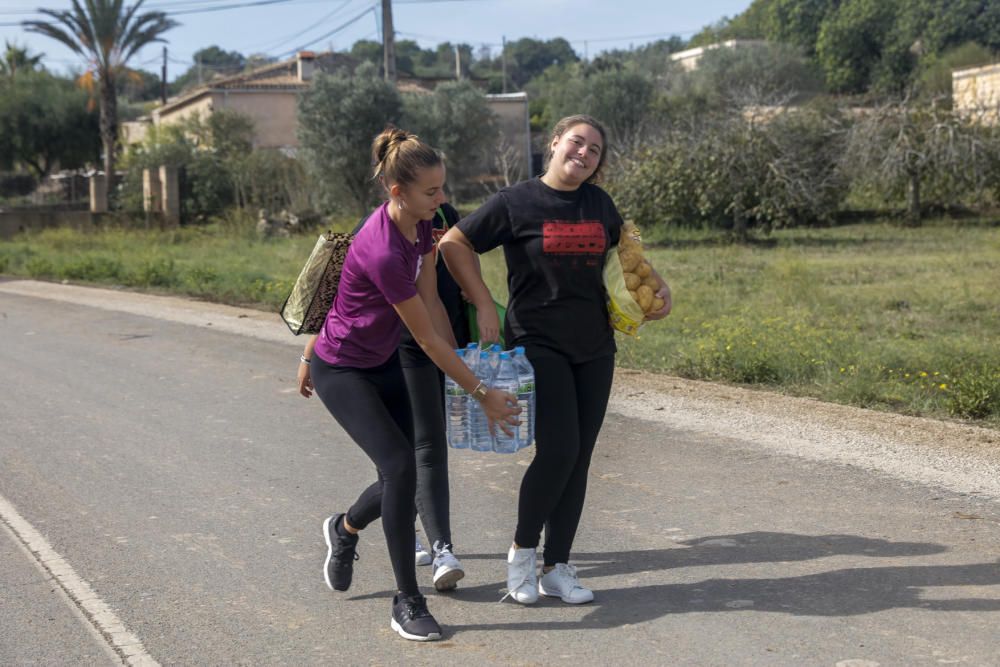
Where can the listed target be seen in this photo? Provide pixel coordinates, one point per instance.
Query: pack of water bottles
(506, 370)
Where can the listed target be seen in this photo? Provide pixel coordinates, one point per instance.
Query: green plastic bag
(474, 324)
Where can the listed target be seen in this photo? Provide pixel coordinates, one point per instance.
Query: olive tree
(338, 117)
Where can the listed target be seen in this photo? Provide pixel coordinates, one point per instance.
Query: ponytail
(398, 155)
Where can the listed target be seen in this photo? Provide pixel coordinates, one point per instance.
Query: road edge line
(106, 624)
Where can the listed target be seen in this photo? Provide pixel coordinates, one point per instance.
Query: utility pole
(503, 61)
(388, 42)
(458, 64)
(163, 78)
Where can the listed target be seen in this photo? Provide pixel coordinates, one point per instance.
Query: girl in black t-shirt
(556, 231)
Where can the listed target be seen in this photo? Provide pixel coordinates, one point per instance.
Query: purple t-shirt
(362, 328)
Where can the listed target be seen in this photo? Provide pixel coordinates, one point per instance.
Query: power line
(342, 26)
(271, 46)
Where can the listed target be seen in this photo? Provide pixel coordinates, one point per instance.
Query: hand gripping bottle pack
(525, 398)
(505, 380)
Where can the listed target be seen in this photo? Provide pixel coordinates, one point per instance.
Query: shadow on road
(843, 592)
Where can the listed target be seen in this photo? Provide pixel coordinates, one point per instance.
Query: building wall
(977, 90)
(201, 106)
(274, 113)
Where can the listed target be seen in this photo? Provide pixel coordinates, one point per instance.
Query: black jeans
(571, 402)
(372, 406)
(425, 385)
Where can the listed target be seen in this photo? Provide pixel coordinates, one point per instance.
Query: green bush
(975, 394)
(40, 267)
(93, 268)
(737, 171)
(157, 272)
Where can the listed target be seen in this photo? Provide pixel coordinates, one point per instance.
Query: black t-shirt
(410, 354)
(555, 243)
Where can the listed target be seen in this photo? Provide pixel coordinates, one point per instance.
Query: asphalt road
(162, 488)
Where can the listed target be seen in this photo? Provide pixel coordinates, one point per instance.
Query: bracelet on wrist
(304, 359)
(479, 393)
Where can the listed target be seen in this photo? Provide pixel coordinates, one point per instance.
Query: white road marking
(125, 645)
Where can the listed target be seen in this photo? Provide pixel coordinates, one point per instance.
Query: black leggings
(425, 385)
(571, 402)
(372, 406)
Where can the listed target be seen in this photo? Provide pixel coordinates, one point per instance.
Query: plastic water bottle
(479, 426)
(456, 405)
(494, 357)
(505, 380)
(525, 398)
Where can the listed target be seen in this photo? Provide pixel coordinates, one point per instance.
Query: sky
(279, 28)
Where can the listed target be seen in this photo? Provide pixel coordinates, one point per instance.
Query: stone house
(976, 90)
(269, 95)
(689, 59)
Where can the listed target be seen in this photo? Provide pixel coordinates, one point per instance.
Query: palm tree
(107, 34)
(16, 58)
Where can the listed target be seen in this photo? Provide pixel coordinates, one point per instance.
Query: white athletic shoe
(446, 568)
(562, 582)
(421, 555)
(522, 576)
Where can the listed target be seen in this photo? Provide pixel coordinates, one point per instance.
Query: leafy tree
(106, 33)
(368, 50)
(527, 57)
(17, 59)
(797, 22)
(865, 43)
(652, 58)
(455, 119)
(210, 62)
(216, 156)
(850, 42)
(44, 122)
(934, 78)
(919, 152)
(736, 172)
(338, 117)
(574, 88)
(138, 85)
(753, 75)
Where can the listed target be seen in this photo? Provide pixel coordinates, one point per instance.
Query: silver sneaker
(522, 576)
(562, 582)
(446, 568)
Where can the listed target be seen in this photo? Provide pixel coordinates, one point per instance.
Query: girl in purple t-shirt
(389, 280)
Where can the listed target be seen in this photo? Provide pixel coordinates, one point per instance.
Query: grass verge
(874, 315)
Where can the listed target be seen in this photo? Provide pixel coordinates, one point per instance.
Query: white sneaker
(421, 555)
(446, 568)
(562, 582)
(522, 576)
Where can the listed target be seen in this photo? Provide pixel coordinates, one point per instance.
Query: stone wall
(15, 221)
(977, 91)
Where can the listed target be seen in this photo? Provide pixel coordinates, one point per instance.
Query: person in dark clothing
(353, 366)
(425, 386)
(556, 231)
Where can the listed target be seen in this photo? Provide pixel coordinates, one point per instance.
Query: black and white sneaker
(411, 619)
(341, 552)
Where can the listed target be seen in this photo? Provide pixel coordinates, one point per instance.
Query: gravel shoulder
(956, 456)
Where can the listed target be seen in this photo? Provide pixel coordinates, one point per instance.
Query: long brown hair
(568, 122)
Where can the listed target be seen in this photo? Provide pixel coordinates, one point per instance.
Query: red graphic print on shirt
(565, 237)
